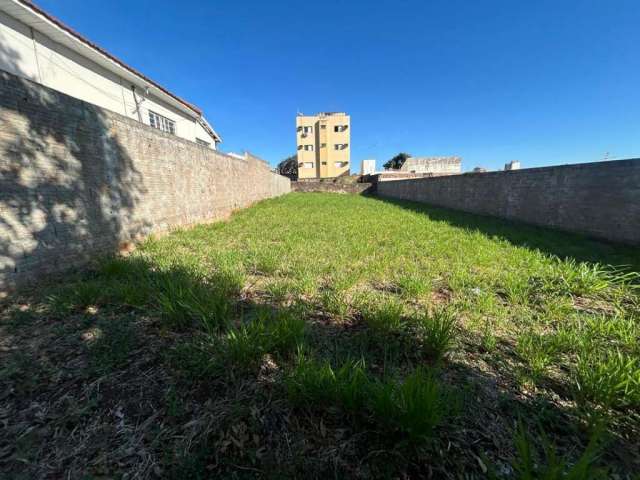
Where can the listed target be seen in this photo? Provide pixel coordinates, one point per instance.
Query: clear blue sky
(541, 81)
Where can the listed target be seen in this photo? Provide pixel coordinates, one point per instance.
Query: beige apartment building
(324, 145)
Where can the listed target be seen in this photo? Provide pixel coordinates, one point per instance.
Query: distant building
(323, 143)
(512, 165)
(39, 47)
(368, 167)
(435, 165)
(479, 170)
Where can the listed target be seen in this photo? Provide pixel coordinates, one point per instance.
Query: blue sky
(544, 82)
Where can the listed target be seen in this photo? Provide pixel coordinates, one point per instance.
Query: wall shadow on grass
(564, 245)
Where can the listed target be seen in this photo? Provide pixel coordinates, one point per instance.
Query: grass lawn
(331, 336)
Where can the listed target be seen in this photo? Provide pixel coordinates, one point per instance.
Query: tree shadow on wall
(68, 188)
(9, 58)
(553, 242)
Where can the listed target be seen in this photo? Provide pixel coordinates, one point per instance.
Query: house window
(202, 142)
(307, 129)
(340, 146)
(306, 165)
(323, 145)
(341, 164)
(339, 128)
(162, 123)
(308, 148)
(323, 127)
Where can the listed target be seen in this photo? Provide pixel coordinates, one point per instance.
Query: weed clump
(437, 330)
(411, 408)
(383, 317)
(280, 333)
(532, 463)
(610, 379)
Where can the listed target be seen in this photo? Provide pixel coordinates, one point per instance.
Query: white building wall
(64, 70)
(17, 54)
(513, 165)
(30, 54)
(202, 134)
(368, 167)
(438, 165)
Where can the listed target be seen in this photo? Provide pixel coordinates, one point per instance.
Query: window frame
(162, 123)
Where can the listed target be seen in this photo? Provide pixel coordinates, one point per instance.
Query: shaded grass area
(331, 336)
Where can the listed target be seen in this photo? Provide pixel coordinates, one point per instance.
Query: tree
(396, 162)
(289, 167)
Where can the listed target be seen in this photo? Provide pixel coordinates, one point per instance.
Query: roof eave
(40, 20)
(207, 126)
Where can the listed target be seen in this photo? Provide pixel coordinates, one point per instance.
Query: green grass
(383, 315)
(317, 384)
(411, 408)
(534, 463)
(437, 330)
(610, 379)
(345, 329)
(279, 333)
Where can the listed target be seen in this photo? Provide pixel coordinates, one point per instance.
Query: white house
(39, 47)
(436, 165)
(368, 167)
(512, 165)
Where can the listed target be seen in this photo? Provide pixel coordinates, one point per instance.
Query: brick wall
(332, 187)
(77, 180)
(600, 199)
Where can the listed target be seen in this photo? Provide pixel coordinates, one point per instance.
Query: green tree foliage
(289, 167)
(396, 162)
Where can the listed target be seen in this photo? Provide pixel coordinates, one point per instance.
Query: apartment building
(324, 145)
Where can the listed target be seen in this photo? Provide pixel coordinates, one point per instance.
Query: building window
(308, 148)
(339, 128)
(323, 145)
(162, 123)
(341, 164)
(306, 165)
(340, 146)
(202, 142)
(307, 129)
(323, 127)
(324, 163)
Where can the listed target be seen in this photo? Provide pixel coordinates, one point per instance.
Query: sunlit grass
(333, 253)
(360, 307)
